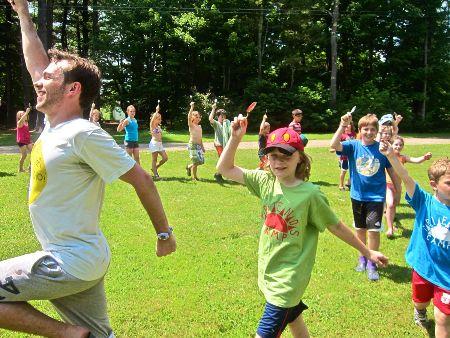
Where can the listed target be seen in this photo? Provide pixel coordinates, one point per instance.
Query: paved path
(254, 145)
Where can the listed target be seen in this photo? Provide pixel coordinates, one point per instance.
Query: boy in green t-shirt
(294, 212)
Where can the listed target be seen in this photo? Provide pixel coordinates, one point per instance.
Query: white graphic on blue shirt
(367, 165)
(438, 232)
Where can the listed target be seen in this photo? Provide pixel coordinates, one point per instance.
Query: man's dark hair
(80, 70)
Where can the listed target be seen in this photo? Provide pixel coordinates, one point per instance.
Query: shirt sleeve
(254, 180)
(320, 214)
(418, 199)
(347, 148)
(99, 150)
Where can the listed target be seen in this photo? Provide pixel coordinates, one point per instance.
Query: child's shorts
(219, 150)
(196, 153)
(131, 144)
(39, 276)
(367, 215)
(155, 146)
(423, 291)
(275, 319)
(343, 164)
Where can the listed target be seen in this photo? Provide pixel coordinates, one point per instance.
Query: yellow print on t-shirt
(38, 172)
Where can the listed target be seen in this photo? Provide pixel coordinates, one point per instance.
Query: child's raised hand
(93, 105)
(398, 119)
(192, 104)
(378, 258)
(239, 127)
(265, 116)
(385, 148)
(427, 156)
(346, 119)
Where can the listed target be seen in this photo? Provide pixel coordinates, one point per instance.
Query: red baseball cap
(284, 138)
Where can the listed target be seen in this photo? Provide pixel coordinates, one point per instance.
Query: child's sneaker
(362, 262)
(188, 170)
(372, 272)
(420, 317)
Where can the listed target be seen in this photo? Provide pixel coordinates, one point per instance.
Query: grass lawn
(208, 288)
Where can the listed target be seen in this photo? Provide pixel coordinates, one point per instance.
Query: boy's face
(368, 133)
(196, 118)
(397, 146)
(442, 188)
(283, 165)
(386, 135)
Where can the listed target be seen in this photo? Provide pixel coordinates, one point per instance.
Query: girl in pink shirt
(23, 137)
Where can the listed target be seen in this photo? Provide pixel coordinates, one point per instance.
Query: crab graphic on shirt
(438, 232)
(367, 165)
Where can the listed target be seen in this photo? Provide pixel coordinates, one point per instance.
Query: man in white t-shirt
(70, 164)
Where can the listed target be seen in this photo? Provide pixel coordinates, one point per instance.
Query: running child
(131, 127)
(287, 250)
(393, 194)
(94, 115)
(264, 130)
(23, 137)
(428, 252)
(368, 184)
(297, 116)
(156, 146)
(218, 125)
(195, 145)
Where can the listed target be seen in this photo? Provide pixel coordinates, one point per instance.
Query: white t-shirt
(70, 164)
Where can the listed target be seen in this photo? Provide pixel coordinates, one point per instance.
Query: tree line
(320, 56)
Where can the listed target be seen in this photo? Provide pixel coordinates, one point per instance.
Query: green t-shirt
(226, 130)
(218, 133)
(291, 220)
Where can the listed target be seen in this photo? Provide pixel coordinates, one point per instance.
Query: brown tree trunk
(85, 29)
(333, 83)
(425, 80)
(260, 28)
(64, 24)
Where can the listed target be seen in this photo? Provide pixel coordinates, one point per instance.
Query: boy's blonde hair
(368, 120)
(438, 169)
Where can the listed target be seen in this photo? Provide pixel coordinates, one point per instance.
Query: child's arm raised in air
(189, 117)
(91, 111)
(336, 139)
(418, 160)
(213, 112)
(262, 125)
(386, 150)
(398, 119)
(226, 166)
(344, 233)
(24, 117)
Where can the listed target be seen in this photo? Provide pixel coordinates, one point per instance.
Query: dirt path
(254, 145)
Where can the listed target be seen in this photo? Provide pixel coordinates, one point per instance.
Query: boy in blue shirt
(368, 184)
(428, 252)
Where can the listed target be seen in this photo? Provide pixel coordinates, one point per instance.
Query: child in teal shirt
(294, 212)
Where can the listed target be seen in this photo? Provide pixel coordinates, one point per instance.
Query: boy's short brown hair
(438, 169)
(368, 120)
(80, 70)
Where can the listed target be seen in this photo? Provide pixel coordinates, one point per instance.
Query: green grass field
(208, 288)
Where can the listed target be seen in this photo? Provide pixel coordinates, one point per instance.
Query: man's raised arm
(34, 53)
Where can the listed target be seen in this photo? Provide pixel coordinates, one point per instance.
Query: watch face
(163, 236)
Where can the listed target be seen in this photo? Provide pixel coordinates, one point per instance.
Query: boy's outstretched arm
(343, 232)
(213, 112)
(35, 56)
(386, 150)
(336, 139)
(417, 160)
(189, 117)
(226, 166)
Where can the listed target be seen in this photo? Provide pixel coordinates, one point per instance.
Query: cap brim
(286, 147)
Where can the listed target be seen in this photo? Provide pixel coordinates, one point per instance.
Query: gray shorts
(38, 276)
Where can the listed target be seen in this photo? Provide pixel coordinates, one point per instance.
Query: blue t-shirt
(429, 248)
(131, 130)
(367, 171)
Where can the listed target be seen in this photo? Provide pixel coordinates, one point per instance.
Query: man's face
(50, 88)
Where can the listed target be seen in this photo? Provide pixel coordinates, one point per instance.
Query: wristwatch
(164, 236)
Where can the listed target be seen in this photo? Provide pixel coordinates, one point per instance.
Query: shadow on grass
(404, 215)
(324, 184)
(188, 179)
(5, 174)
(396, 273)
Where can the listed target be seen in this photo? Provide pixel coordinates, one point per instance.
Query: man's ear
(74, 88)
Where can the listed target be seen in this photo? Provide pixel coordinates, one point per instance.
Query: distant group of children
(288, 248)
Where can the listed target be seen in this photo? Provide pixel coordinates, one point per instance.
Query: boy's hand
(427, 156)
(239, 127)
(164, 248)
(346, 119)
(214, 106)
(265, 116)
(93, 105)
(398, 119)
(386, 148)
(378, 258)
(192, 104)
